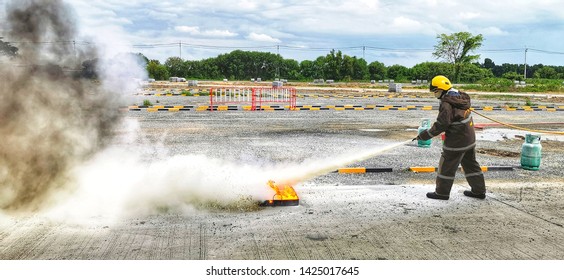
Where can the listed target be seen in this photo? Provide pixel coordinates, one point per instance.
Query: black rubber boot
(475, 195)
(435, 195)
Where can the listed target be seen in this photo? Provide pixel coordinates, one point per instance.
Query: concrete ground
(202, 169)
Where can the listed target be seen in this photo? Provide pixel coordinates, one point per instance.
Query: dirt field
(372, 216)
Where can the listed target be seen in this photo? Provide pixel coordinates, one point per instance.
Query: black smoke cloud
(50, 120)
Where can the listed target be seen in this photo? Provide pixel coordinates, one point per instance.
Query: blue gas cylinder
(531, 152)
(425, 124)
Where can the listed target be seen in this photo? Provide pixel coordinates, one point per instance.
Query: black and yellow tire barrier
(352, 170)
(347, 107)
(431, 169)
(415, 169)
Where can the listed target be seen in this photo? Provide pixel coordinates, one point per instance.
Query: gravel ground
(341, 216)
(296, 136)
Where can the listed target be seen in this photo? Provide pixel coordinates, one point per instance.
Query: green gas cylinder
(425, 124)
(531, 152)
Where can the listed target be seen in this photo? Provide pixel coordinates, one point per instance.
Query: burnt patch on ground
(496, 152)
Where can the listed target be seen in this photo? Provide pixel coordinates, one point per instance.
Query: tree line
(246, 65)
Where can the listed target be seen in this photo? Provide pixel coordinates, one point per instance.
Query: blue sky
(391, 31)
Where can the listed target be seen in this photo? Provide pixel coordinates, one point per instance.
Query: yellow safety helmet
(439, 85)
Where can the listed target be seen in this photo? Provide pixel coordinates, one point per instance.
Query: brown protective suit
(458, 149)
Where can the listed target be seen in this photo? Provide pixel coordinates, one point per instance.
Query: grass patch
(506, 85)
(528, 102)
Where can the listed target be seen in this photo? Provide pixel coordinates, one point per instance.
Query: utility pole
(525, 72)
(277, 63)
(180, 48)
(363, 49)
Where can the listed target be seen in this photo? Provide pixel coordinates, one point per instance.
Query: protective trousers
(448, 164)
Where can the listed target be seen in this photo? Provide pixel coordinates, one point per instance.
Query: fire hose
(518, 127)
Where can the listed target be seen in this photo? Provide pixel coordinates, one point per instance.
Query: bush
(543, 85)
(148, 103)
(493, 84)
(528, 102)
(497, 84)
(506, 85)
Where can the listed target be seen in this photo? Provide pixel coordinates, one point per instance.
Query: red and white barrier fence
(256, 97)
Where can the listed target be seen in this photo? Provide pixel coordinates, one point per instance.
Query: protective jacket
(455, 120)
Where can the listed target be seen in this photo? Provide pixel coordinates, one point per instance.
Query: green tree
(377, 70)
(210, 69)
(347, 69)
(488, 63)
(398, 73)
(509, 68)
(428, 70)
(242, 65)
(307, 69)
(360, 69)
(513, 76)
(290, 69)
(456, 48)
(232, 65)
(333, 65)
(546, 72)
(320, 68)
(497, 71)
(157, 71)
(471, 73)
(176, 67)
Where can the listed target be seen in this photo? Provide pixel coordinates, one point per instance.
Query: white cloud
(219, 33)
(262, 38)
(247, 4)
(195, 31)
(468, 15)
(326, 23)
(162, 15)
(492, 30)
(403, 24)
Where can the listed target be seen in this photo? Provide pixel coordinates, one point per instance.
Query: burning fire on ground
(284, 195)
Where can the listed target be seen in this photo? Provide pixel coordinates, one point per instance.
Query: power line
(301, 48)
(149, 46)
(273, 47)
(544, 51)
(278, 47)
(398, 50)
(503, 50)
(228, 47)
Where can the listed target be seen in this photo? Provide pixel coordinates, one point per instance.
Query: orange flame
(284, 192)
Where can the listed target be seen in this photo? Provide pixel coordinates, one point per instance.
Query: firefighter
(456, 122)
